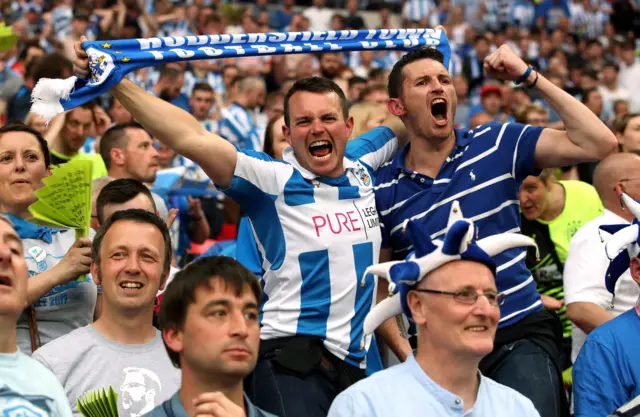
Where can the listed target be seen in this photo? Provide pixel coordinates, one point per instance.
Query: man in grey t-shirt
(131, 254)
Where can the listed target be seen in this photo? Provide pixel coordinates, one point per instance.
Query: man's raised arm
(585, 138)
(172, 126)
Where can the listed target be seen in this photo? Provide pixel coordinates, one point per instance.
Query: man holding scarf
(316, 226)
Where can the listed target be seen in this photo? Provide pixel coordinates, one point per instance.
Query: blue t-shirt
(606, 374)
(28, 389)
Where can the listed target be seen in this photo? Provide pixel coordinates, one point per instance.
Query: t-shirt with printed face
(142, 375)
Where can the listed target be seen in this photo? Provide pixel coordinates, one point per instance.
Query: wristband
(535, 81)
(524, 76)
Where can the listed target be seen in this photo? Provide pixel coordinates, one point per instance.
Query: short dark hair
(356, 80)
(54, 65)
(17, 126)
(28, 45)
(591, 73)
(115, 137)
(228, 67)
(372, 88)
(593, 41)
(169, 72)
(137, 216)
(181, 292)
(587, 93)
(202, 87)
(396, 77)
(611, 64)
(30, 68)
(120, 191)
(315, 85)
(376, 72)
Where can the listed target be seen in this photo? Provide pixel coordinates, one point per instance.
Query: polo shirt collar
(289, 156)
(462, 140)
(444, 397)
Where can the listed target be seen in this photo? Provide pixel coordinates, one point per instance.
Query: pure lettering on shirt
(345, 222)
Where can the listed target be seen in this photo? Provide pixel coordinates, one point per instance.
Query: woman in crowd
(627, 130)
(58, 301)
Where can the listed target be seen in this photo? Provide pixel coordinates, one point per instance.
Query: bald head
(250, 83)
(609, 172)
(252, 92)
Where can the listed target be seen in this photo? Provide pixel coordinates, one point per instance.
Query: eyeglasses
(470, 297)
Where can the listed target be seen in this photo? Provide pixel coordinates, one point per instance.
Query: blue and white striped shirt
(523, 14)
(212, 78)
(210, 124)
(238, 127)
(483, 173)
(316, 236)
(415, 10)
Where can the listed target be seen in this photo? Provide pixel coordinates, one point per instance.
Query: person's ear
(287, 133)
(396, 107)
(349, 123)
(117, 156)
(416, 305)
(173, 339)
(95, 273)
(634, 268)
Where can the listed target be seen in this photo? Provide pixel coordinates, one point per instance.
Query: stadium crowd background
(586, 47)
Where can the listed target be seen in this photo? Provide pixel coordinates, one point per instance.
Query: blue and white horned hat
(458, 243)
(623, 245)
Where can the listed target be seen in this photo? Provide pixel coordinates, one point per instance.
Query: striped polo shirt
(483, 173)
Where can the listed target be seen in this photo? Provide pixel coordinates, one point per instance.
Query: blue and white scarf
(111, 61)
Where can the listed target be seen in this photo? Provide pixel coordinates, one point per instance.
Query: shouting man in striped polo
(483, 169)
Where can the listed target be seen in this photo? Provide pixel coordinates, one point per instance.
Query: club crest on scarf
(623, 244)
(100, 64)
(459, 243)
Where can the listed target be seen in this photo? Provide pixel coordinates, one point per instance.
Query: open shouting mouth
(321, 149)
(439, 111)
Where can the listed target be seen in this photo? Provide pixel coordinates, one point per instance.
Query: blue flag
(111, 61)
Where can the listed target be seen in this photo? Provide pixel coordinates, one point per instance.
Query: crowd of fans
(83, 321)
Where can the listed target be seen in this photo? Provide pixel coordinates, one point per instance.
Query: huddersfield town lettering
(111, 61)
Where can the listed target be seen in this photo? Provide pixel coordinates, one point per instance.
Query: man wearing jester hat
(447, 288)
(606, 374)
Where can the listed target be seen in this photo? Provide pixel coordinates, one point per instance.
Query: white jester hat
(623, 245)
(458, 243)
